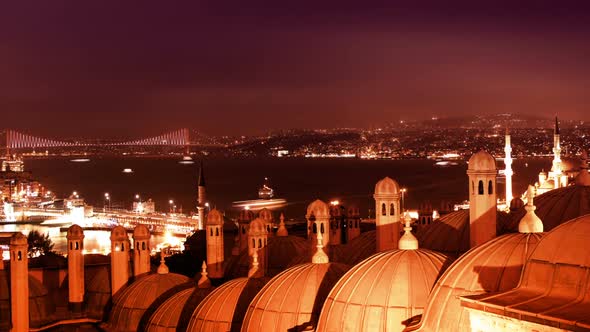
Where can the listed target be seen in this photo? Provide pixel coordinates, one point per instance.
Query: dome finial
(530, 223)
(204, 282)
(254, 269)
(282, 231)
(408, 241)
(320, 256)
(162, 269)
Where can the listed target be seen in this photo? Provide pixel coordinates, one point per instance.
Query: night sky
(113, 68)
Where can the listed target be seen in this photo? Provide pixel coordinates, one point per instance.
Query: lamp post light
(107, 200)
(171, 202)
(403, 191)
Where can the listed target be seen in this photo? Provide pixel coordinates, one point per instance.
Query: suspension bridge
(16, 140)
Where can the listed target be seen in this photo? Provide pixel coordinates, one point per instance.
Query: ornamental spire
(408, 241)
(204, 282)
(530, 223)
(320, 256)
(162, 269)
(282, 231)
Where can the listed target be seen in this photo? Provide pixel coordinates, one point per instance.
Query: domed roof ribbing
(41, 306)
(382, 292)
(131, 302)
(214, 218)
(224, 308)
(168, 313)
(97, 281)
(482, 161)
(386, 186)
(491, 267)
(292, 300)
(556, 207)
(554, 289)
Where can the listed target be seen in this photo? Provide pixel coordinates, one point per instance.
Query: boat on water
(444, 163)
(80, 160)
(186, 160)
(266, 199)
(127, 170)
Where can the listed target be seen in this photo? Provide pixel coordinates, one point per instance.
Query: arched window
(122, 246)
(216, 231)
(259, 243)
(383, 210)
(322, 228)
(143, 245)
(20, 255)
(490, 188)
(254, 243)
(77, 245)
(480, 187)
(391, 209)
(315, 228)
(211, 231)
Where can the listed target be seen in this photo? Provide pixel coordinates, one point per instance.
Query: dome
(283, 252)
(556, 207)
(98, 290)
(318, 208)
(118, 233)
(265, 214)
(306, 286)
(224, 308)
(491, 267)
(141, 232)
(387, 186)
(482, 161)
(554, 289)
(516, 203)
(214, 218)
(75, 232)
(41, 306)
(257, 228)
(357, 250)
(246, 215)
(167, 314)
(382, 292)
(132, 301)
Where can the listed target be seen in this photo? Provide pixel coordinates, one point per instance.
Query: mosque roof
(131, 302)
(41, 306)
(554, 289)
(214, 217)
(168, 313)
(98, 289)
(382, 292)
(357, 250)
(293, 299)
(224, 308)
(556, 207)
(493, 266)
(482, 161)
(386, 186)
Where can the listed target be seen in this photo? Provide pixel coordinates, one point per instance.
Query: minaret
(282, 230)
(244, 220)
(482, 198)
(318, 221)
(215, 252)
(508, 168)
(19, 283)
(201, 200)
(257, 238)
(387, 214)
(530, 223)
(141, 250)
(556, 165)
(119, 259)
(266, 215)
(75, 237)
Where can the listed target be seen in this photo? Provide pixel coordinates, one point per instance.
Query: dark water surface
(299, 181)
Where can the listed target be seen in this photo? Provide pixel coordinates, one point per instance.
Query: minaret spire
(556, 165)
(201, 199)
(508, 168)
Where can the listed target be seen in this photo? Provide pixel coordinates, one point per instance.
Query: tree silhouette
(39, 244)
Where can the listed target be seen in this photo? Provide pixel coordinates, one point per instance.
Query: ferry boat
(265, 199)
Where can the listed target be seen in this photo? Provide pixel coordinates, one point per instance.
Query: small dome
(97, 281)
(556, 207)
(265, 214)
(382, 292)
(18, 239)
(482, 161)
(224, 308)
(318, 208)
(214, 218)
(306, 286)
(141, 232)
(131, 302)
(257, 228)
(516, 203)
(118, 233)
(41, 306)
(246, 215)
(357, 250)
(174, 313)
(491, 267)
(387, 186)
(284, 252)
(75, 232)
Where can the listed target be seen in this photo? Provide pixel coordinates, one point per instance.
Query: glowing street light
(172, 206)
(335, 202)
